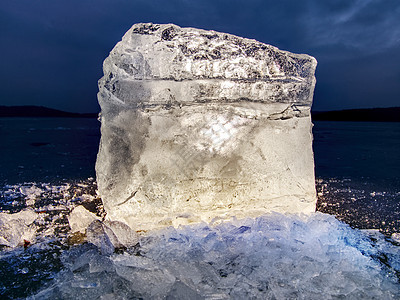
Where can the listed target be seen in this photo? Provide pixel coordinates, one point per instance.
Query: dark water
(47, 149)
(357, 165)
(360, 151)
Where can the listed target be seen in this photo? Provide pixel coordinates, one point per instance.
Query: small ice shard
(106, 236)
(396, 237)
(18, 228)
(124, 235)
(31, 192)
(80, 218)
(110, 235)
(98, 235)
(203, 124)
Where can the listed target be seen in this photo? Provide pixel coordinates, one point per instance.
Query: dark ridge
(40, 112)
(390, 114)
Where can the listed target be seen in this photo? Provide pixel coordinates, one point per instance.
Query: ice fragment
(80, 218)
(17, 228)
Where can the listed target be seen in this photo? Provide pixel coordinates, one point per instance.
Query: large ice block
(203, 126)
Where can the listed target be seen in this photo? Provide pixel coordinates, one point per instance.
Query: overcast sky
(52, 50)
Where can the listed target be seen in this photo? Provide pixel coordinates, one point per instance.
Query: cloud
(55, 49)
(366, 26)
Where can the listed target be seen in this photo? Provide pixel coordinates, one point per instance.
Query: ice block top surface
(189, 53)
(216, 61)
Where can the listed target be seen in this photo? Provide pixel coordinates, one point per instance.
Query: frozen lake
(46, 163)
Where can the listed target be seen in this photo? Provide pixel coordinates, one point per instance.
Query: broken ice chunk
(17, 227)
(98, 235)
(124, 235)
(80, 218)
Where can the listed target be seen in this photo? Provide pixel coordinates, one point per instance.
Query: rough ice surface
(275, 256)
(198, 125)
(17, 227)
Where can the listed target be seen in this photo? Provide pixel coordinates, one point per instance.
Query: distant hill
(40, 112)
(390, 114)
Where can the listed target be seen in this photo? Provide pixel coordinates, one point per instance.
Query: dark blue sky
(52, 50)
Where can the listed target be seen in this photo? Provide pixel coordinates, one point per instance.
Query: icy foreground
(198, 125)
(271, 257)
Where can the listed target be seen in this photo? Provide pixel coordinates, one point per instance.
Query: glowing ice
(198, 125)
